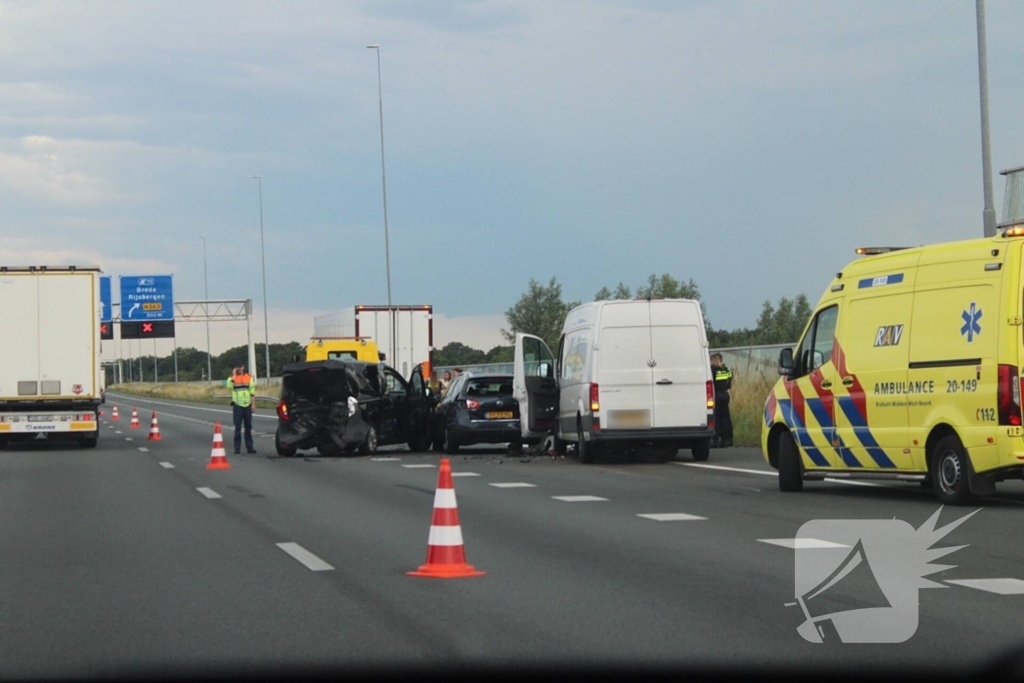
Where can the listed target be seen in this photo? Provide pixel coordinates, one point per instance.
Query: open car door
(534, 386)
(418, 411)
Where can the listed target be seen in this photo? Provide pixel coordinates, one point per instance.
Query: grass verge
(746, 402)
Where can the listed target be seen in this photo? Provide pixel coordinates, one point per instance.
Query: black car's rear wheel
(281, 449)
(369, 446)
(451, 445)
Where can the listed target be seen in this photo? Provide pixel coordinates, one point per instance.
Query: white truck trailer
(50, 354)
(404, 334)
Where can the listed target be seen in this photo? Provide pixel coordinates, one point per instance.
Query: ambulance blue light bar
(871, 251)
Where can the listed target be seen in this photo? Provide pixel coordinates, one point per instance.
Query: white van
(629, 375)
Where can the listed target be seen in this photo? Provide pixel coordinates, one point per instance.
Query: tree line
(192, 363)
(541, 311)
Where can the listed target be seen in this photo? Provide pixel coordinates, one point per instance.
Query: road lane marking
(578, 499)
(311, 561)
(128, 438)
(513, 485)
(421, 466)
(742, 470)
(167, 465)
(117, 432)
(143, 449)
(801, 543)
(385, 459)
(672, 517)
(465, 474)
(997, 586)
(727, 469)
(209, 493)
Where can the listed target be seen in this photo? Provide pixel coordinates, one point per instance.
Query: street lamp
(206, 296)
(989, 213)
(384, 186)
(263, 258)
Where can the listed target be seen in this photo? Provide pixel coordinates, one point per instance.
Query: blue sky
(748, 145)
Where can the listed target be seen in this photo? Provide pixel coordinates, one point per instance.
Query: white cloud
(25, 251)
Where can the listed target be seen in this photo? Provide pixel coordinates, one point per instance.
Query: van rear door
(681, 367)
(625, 370)
(534, 386)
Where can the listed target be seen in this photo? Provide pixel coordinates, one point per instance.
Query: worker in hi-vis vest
(243, 390)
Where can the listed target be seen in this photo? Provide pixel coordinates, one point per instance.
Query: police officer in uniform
(243, 389)
(723, 418)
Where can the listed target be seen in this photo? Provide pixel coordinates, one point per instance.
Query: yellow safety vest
(243, 388)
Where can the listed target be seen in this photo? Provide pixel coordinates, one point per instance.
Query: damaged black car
(342, 407)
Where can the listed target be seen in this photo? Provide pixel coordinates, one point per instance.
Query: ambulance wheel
(281, 450)
(701, 450)
(369, 446)
(451, 446)
(791, 478)
(949, 472)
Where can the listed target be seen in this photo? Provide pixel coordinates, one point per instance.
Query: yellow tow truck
(343, 348)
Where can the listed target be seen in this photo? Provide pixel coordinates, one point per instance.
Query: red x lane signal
(147, 328)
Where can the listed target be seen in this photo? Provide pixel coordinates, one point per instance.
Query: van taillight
(710, 387)
(1008, 396)
(282, 410)
(595, 398)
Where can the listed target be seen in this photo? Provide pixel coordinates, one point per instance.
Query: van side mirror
(786, 366)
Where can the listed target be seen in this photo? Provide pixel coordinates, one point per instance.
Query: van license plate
(500, 415)
(630, 419)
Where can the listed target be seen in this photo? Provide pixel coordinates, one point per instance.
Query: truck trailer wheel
(791, 478)
(88, 443)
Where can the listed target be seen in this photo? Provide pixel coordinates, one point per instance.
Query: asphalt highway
(135, 557)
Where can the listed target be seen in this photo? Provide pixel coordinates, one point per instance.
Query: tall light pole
(263, 258)
(206, 296)
(989, 213)
(384, 186)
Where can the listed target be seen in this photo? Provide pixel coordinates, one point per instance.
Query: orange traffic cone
(101, 412)
(135, 419)
(114, 417)
(446, 556)
(154, 429)
(218, 458)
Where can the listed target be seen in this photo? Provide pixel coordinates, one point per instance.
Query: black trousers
(243, 416)
(723, 420)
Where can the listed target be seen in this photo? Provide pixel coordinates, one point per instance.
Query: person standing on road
(243, 389)
(445, 381)
(723, 418)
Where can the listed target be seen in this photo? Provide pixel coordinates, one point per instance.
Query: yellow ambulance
(909, 370)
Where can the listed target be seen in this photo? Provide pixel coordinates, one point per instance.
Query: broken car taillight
(282, 410)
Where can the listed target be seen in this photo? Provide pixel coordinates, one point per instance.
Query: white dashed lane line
(513, 485)
(422, 466)
(465, 474)
(801, 543)
(128, 438)
(385, 459)
(579, 499)
(167, 465)
(143, 449)
(209, 493)
(311, 561)
(672, 517)
(742, 470)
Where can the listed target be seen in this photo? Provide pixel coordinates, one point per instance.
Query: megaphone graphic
(823, 601)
